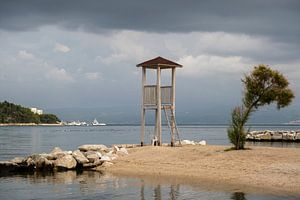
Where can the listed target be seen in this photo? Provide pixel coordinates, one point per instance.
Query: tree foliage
(262, 86)
(12, 113)
(49, 119)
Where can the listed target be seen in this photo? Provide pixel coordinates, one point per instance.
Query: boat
(74, 123)
(96, 123)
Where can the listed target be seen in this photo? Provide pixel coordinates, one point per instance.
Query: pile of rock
(92, 157)
(267, 135)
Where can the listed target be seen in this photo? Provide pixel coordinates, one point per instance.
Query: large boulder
(289, 136)
(297, 136)
(79, 157)
(49, 156)
(105, 158)
(266, 136)
(65, 162)
(276, 136)
(187, 142)
(115, 149)
(43, 164)
(56, 150)
(93, 157)
(93, 147)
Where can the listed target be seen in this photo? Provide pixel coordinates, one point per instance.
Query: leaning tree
(262, 86)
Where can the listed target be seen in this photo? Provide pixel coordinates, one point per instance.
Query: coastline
(28, 124)
(259, 170)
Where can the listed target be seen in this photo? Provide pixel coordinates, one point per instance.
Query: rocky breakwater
(280, 136)
(87, 157)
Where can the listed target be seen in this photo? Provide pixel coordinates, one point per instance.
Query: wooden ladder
(174, 132)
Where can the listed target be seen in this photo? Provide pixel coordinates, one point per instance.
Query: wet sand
(259, 170)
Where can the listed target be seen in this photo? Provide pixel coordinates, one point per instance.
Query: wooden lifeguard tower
(158, 98)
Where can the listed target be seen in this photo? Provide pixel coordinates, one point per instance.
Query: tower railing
(150, 95)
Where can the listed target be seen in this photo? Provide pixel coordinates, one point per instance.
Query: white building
(36, 111)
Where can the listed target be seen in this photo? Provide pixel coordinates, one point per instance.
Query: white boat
(96, 123)
(73, 123)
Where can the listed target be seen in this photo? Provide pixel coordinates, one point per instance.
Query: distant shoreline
(28, 124)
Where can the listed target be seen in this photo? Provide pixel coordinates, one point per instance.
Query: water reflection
(96, 185)
(238, 196)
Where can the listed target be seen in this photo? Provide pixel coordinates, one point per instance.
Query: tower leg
(172, 130)
(143, 126)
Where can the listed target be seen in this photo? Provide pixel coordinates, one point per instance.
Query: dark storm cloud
(273, 18)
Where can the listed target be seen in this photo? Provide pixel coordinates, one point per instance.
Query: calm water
(22, 141)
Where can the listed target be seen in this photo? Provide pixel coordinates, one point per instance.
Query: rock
(288, 136)
(297, 136)
(187, 142)
(122, 152)
(92, 157)
(98, 162)
(115, 149)
(43, 164)
(276, 136)
(112, 156)
(79, 157)
(49, 156)
(29, 164)
(65, 162)
(266, 136)
(249, 136)
(89, 165)
(7, 167)
(68, 152)
(202, 142)
(93, 147)
(56, 150)
(17, 160)
(105, 158)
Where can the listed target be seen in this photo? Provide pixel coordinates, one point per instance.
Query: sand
(259, 170)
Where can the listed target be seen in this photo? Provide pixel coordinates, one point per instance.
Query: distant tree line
(12, 113)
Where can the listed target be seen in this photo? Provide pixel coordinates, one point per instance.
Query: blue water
(22, 141)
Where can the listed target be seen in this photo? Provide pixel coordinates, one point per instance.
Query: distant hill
(12, 113)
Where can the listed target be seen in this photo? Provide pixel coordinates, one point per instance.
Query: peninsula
(259, 170)
(17, 115)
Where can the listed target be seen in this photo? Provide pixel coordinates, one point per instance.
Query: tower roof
(159, 62)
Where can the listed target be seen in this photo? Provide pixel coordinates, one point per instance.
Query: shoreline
(266, 170)
(28, 124)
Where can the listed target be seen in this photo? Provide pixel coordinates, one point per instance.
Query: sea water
(23, 141)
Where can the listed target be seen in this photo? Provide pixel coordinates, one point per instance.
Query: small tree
(262, 87)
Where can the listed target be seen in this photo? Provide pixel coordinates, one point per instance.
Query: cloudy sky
(82, 54)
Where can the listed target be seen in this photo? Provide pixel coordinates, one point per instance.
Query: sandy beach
(259, 170)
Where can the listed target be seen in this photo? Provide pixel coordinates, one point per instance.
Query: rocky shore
(87, 157)
(280, 136)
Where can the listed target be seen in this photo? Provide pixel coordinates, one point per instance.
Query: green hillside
(12, 113)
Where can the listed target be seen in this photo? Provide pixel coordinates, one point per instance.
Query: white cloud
(203, 65)
(93, 75)
(112, 59)
(59, 74)
(25, 55)
(61, 48)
